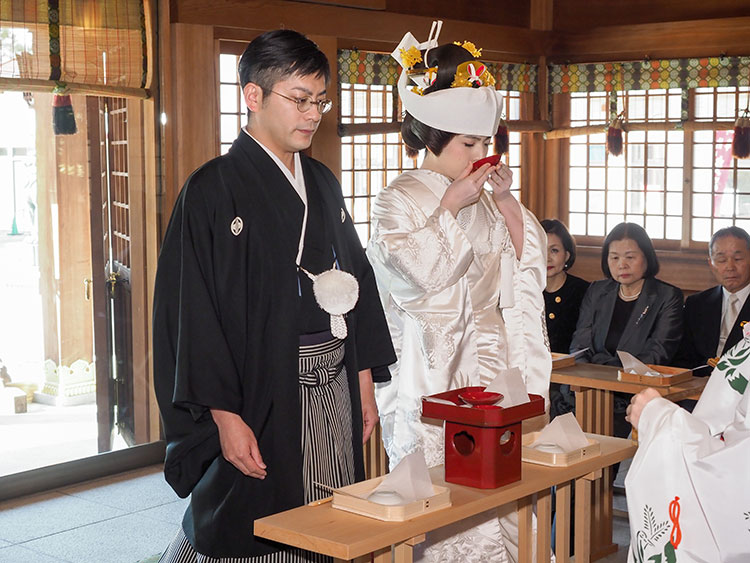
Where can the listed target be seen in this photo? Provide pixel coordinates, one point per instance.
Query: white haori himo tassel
(337, 293)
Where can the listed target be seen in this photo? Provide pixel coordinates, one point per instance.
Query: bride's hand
(466, 189)
(500, 180)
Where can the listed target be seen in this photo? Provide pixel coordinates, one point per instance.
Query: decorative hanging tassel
(614, 136)
(63, 118)
(741, 140)
(502, 141)
(338, 326)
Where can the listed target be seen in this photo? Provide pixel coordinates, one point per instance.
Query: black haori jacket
(226, 309)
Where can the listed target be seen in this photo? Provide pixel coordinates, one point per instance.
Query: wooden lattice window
(680, 186)
(720, 183)
(232, 110)
(369, 162)
(644, 184)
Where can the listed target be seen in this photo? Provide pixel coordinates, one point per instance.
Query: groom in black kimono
(233, 303)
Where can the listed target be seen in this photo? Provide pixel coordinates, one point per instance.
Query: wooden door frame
(144, 254)
(104, 416)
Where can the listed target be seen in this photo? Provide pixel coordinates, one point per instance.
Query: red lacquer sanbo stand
(482, 442)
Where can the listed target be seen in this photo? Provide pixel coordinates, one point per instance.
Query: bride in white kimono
(460, 271)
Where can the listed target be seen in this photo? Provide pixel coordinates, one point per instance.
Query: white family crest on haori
(236, 226)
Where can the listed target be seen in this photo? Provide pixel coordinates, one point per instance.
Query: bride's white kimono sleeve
(687, 489)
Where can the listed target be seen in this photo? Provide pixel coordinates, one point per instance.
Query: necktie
(733, 309)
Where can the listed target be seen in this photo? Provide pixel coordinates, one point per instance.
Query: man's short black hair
(637, 233)
(279, 54)
(557, 227)
(733, 231)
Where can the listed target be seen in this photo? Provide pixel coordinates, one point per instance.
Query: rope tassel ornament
(63, 118)
(741, 140)
(502, 138)
(614, 136)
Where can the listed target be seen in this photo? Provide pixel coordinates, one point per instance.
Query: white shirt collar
(742, 294)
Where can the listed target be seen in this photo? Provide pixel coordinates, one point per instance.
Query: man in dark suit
(714, 318)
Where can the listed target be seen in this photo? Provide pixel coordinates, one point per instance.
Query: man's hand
(369, 407)
(637, 403)
(238, 444)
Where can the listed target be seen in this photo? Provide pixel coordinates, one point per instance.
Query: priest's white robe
(688, 487)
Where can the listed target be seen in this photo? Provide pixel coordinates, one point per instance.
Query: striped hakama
(327, 454)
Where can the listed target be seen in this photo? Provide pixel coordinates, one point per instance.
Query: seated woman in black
(562, 300)
(630, 310)
(564, 292)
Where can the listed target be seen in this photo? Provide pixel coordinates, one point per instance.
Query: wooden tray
(389, 513)
(678, 375)
(562, 360)
(552, 459)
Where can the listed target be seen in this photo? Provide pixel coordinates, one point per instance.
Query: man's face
(730, 263)
(277, 123)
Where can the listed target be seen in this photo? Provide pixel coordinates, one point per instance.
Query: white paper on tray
(564, 433)
(510, 383)
(410, 479)
(438, 401)
(579, 353)
(631, 364)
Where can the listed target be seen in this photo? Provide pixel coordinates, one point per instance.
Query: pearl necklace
(629, 297)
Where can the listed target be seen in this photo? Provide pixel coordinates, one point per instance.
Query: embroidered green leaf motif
(655, 558)
(669, 554)
(739, 384)
(729, 366)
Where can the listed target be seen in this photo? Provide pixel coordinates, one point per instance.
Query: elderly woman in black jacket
(631, 310)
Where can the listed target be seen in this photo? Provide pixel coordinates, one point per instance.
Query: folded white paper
(438, 401)
(410, 480)
(564, 433)
(510, 383)
(631, 364)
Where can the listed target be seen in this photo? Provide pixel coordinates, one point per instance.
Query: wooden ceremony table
(594, 386)
(346, 536)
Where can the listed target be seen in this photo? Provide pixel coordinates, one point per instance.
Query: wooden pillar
(64, 236)
(46, 200)
(534, 163)
(556, 173)
(326, 146)
(76, 313)
(190, 106)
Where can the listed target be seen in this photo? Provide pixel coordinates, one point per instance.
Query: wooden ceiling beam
(352, 26)
(681, 39)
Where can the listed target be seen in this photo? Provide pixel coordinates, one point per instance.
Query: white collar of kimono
(335, 291)
(464, 111)
(298, 183)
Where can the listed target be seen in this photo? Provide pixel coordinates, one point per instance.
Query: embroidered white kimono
(443, 281)
(687, 489)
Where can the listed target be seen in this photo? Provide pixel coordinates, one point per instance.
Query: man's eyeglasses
(304, 104)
